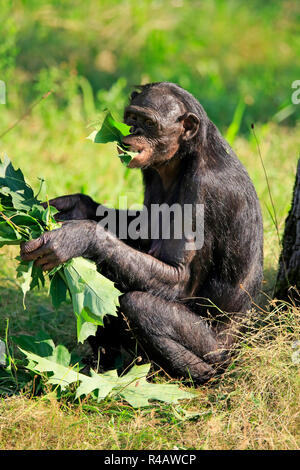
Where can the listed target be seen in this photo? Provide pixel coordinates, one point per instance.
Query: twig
(274, 218)
(268, 184)
(27, 112)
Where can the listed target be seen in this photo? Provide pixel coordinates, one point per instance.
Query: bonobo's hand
(74, 207)
(51, 249)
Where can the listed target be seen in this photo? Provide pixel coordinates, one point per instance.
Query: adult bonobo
(184, 305)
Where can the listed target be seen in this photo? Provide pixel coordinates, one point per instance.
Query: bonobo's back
(228, 268)
(233, 226)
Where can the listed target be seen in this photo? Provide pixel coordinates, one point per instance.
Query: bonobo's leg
(114, 344)
(175, 337)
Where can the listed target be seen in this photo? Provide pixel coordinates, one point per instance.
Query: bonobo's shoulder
(219, 157)
(222, 176)
(221, 165)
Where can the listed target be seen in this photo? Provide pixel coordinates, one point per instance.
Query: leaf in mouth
(113, 131)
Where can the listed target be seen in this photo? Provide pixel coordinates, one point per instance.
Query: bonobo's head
(165, 120)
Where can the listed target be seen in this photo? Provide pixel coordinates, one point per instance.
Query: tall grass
(255, 405)
(249, 52)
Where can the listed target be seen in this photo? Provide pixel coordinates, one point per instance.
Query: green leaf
(61, 355)
(9, 235)
(41, 344)
(133, 386)
(29, 224)
(102, 383)
(48, 218)
(126, 157)
(38, 278)
(24, 274)
(138, 391)
(58, 289)
(93, 295)
(111, 131)
(86, 326)
(12, 182)
(30, 276)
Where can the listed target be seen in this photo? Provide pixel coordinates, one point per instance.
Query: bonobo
(185, 304)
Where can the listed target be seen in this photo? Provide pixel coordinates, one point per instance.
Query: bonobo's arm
(130, 268)
(82, 207)
(135, 270)
(118, 222)
(74, 207)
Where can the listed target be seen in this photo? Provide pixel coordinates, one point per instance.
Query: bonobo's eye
(133, 95)
(149, 123)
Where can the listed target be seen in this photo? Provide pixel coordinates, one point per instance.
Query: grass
(248, 54)
(255, 405)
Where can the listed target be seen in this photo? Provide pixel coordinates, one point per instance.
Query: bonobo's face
(158, 123)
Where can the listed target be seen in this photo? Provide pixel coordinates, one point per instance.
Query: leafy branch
(22, 218)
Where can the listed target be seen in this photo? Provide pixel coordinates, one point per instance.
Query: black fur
(185, 307)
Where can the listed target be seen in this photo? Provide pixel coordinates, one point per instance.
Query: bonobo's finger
(63, 203)
(33, 255)
(46, 263)
(32, 245)
(49, 266)
(46, 259)
(61, 216)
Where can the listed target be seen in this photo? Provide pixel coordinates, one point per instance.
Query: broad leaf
(135, 389)
(29, 276)
(41, 344)
(133, 386)
(113, 131)
(58, 289)
(126, 157)
(8, 234)
(12, 182)
(93, 295)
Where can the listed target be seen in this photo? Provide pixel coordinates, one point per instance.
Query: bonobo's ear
(191, 125)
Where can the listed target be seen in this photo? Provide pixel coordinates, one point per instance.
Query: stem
(13, 225)
(268, 184)
(27, 112)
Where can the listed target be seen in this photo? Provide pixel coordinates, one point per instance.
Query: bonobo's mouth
(138, 146)
(133, 145)
(130, 148)
(140, 152)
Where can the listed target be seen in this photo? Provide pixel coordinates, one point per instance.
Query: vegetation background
(239, 59)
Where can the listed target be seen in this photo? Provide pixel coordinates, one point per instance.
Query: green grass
(255, 405)
(248, 53)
